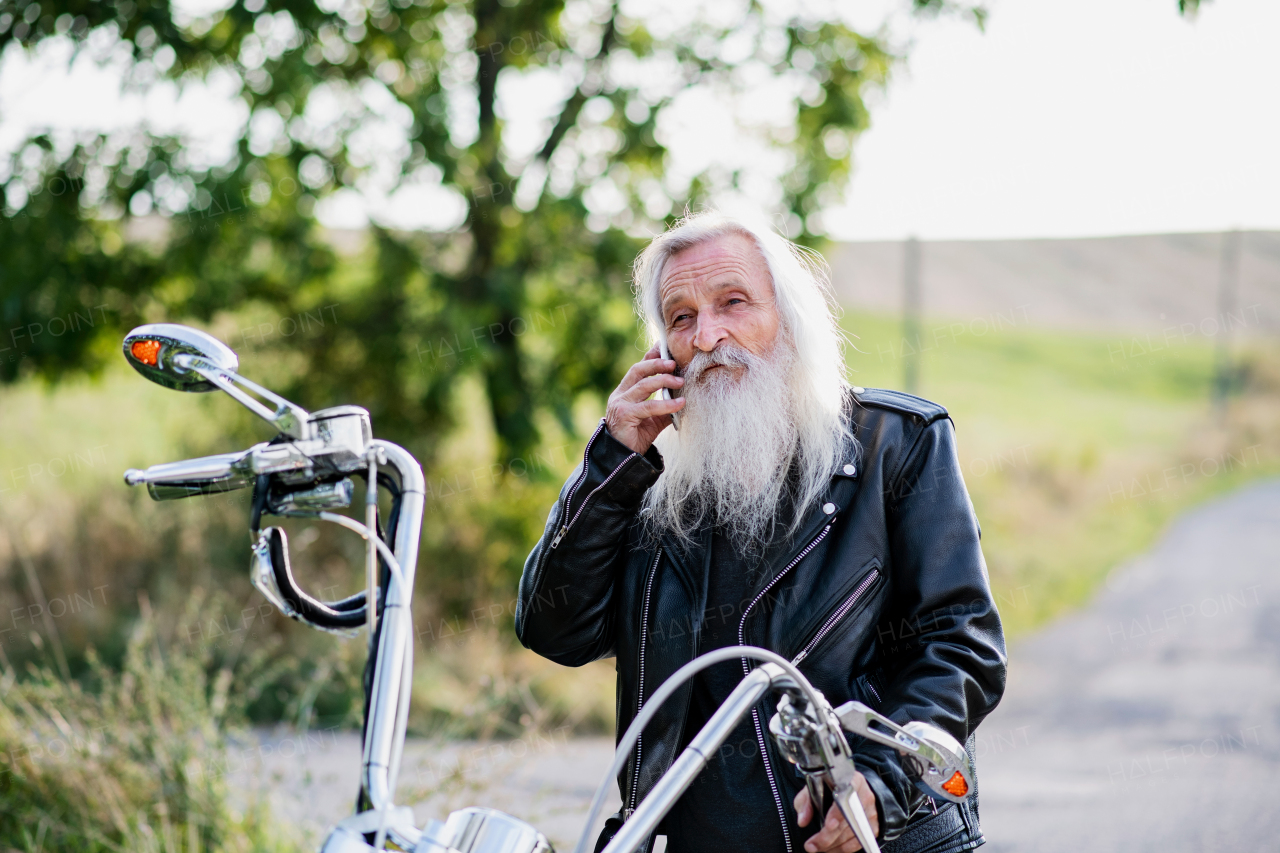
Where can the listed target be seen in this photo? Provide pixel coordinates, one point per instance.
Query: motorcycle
(306, 471)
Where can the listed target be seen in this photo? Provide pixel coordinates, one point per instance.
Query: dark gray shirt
(721, 809)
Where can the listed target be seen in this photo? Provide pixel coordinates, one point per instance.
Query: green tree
(526, 289)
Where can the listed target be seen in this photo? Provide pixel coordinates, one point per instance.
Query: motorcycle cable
(343, 615)
(346, 613)
(384, 575)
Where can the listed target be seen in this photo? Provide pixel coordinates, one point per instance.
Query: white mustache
(725, 355)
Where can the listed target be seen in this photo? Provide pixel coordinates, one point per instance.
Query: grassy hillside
(1077, 449)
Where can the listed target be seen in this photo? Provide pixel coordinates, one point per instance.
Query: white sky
(1066, 118)
(1073, 118)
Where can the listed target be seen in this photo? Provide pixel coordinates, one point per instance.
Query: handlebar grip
(207, 475)
(176, 491)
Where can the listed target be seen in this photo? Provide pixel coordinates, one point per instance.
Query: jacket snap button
(850, 470)
(828, 508)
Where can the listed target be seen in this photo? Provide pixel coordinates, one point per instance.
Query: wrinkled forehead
(724, 260)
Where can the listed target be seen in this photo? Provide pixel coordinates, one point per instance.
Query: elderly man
(782, 509)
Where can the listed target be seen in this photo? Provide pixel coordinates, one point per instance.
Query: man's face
(718, 291)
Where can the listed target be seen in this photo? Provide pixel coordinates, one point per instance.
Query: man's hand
(836, 835)
(631, 416)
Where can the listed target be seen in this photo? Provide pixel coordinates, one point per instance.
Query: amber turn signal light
(146, 351)
(956, 786)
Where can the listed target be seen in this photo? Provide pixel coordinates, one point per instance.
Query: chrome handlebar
(642, 823)
(305, 471)
(341, 437)
(810, 734)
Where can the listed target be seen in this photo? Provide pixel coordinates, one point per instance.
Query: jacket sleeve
(942, 645)
(565, 609)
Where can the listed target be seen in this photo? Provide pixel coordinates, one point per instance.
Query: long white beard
(728, 464)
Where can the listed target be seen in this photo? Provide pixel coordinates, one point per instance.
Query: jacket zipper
(565, 522)
(835, 618)
(587, 501)
(746, 670)
(644, 633)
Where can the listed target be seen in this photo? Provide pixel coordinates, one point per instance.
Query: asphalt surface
(1150, 720)
(546, 779)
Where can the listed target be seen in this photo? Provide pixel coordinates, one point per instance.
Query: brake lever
(811, 739)
(846, 797)
(816, 787)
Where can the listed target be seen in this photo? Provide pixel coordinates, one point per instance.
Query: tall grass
(127, 760)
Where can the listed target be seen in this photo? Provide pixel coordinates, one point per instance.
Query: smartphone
(666, 392)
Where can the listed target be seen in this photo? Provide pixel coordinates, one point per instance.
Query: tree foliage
(525, 288)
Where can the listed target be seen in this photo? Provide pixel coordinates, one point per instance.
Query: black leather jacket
(882, 596)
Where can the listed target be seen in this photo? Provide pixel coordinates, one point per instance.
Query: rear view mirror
(188, 359)
(152, 350)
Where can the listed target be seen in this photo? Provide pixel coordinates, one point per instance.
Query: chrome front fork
(390, 693)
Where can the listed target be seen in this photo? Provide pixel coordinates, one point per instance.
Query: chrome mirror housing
(188, 359)
(937, 762)
(153, 348)
(950, 779)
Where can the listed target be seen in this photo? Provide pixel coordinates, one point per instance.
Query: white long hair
(815, 367)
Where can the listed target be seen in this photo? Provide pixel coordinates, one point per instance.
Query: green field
(1077, 449)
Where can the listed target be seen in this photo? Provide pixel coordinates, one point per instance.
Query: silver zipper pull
(795, 661)
(626, 814)
(555, 540)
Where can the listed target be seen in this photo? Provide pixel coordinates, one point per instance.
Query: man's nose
(710, 334)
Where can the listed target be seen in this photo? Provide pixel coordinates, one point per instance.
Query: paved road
(1150, 720)
(546, 779)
